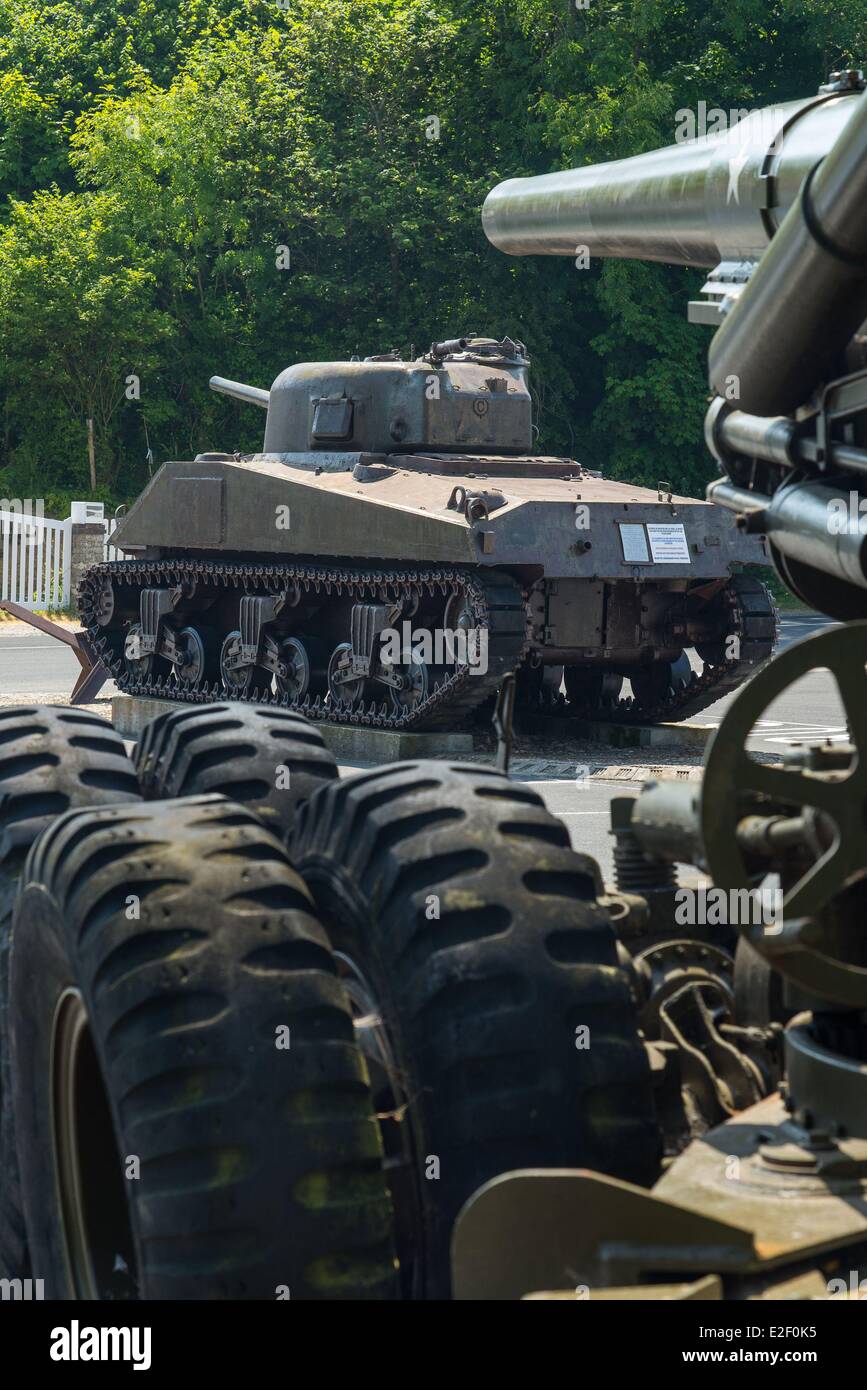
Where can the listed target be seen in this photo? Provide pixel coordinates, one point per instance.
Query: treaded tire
(268, 759)
(51, 759)
(260, 1168)
(482, 1004)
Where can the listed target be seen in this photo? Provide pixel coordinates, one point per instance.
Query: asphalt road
(810, 711)
(32, 665)
(584, 807)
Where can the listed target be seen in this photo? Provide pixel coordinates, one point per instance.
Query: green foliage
(77, 300)
(155, 155)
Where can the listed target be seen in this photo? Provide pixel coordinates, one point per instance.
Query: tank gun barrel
(253, 395)
(717, 198)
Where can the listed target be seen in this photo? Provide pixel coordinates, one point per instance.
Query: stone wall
(88, 544)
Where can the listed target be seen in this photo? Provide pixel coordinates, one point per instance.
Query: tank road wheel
(236, 679)
(346, 692)
(468, 927)
(199, 662)
(50, 760)
(584, 686)
(651, 684)
(305, 669)
(416, 686)
(269, 759)
(142, 669)
(206, 1038)
(538, 688)
(528, 688)
(458, 618)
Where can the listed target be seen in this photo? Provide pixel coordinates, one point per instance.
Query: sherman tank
(397, 547)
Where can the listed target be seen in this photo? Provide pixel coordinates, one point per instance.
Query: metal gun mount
(801, 823)
(792, 439)
(699, 1233)
(794, 446)
(803, 818)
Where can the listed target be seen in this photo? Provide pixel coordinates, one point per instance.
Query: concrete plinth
(615, 735)
(391, 746)
(87, 548)
(130, 713)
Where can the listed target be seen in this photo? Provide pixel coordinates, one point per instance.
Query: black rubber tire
(483, 1003)
(268, 759)
(260, 1168)
(51, 759)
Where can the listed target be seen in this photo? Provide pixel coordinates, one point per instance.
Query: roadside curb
(541, 769)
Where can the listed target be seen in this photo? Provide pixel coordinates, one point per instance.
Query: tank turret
(461, 395)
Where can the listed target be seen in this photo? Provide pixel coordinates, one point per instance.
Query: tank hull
(562, 527)
(559, 567)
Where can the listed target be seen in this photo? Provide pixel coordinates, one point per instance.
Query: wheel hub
(94, 1216)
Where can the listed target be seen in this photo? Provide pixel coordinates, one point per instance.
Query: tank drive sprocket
(750, 616)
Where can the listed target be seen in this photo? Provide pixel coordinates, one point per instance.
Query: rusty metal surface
(723, 1176)
(547, 1229)
(720, 1209)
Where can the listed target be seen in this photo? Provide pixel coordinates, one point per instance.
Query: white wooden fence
(36, 562)
(110, 552)
(36, 555)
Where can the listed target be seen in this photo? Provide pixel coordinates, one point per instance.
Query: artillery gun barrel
(716, 198)
(808, 294)
(253, 395)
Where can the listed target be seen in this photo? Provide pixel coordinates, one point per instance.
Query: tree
(76, 298)
(363, 136)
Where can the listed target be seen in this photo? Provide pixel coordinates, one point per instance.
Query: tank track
(495, 600)
(753, 616)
